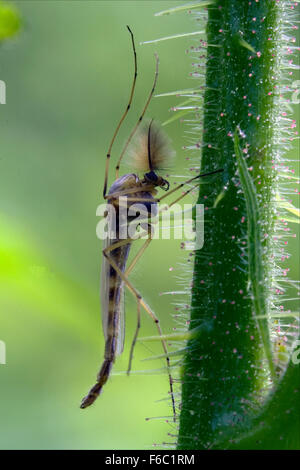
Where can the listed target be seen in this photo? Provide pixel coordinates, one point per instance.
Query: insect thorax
(135, 207)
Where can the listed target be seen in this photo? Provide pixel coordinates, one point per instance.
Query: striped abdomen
(112, 302)
(112, 316)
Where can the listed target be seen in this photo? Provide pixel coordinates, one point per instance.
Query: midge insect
(150, 150)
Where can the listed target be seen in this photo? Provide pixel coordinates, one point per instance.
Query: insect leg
(148, 188)
(128, 270)
(140, 118)
(123, 116)
(180, 197)
(135, 335)
(147, 309)
(189, 181)
(137, 256)
(118, 194)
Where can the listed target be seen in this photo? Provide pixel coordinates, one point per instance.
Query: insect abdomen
(113, 327)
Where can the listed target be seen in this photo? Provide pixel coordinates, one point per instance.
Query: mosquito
(151, 153)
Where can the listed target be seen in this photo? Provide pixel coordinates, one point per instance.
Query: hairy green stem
(228, 364)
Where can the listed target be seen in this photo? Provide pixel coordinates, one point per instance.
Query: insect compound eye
(151, 176)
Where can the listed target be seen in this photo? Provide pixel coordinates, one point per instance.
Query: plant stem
(228, 364)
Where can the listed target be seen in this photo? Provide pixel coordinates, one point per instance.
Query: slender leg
(147, 309)
(125, 192)
(138, 256)
(140, 118)
(123, 116)
(135, 199)
(153, 200)
(182, 196)
(127, 271)
(189, 181)
(135, 335)
(136, 189)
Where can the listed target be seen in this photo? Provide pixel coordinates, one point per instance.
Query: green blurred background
(68, 76)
